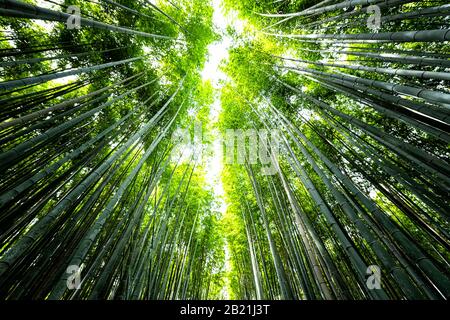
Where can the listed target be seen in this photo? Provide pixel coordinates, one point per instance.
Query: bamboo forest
(224, 150)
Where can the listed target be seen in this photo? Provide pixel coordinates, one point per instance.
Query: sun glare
(218, 54)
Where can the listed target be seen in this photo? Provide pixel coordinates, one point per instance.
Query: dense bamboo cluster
(358, 91)
(364, 176)
(88, 176)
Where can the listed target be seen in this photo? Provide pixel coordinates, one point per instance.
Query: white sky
(218, 53)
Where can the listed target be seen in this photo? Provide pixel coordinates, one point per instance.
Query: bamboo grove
(89, 176)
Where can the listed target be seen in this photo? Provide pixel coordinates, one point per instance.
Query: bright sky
(218, 52)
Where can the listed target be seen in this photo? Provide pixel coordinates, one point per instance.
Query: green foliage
(89, 176)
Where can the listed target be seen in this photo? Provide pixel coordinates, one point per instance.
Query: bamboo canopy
(98, 200)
